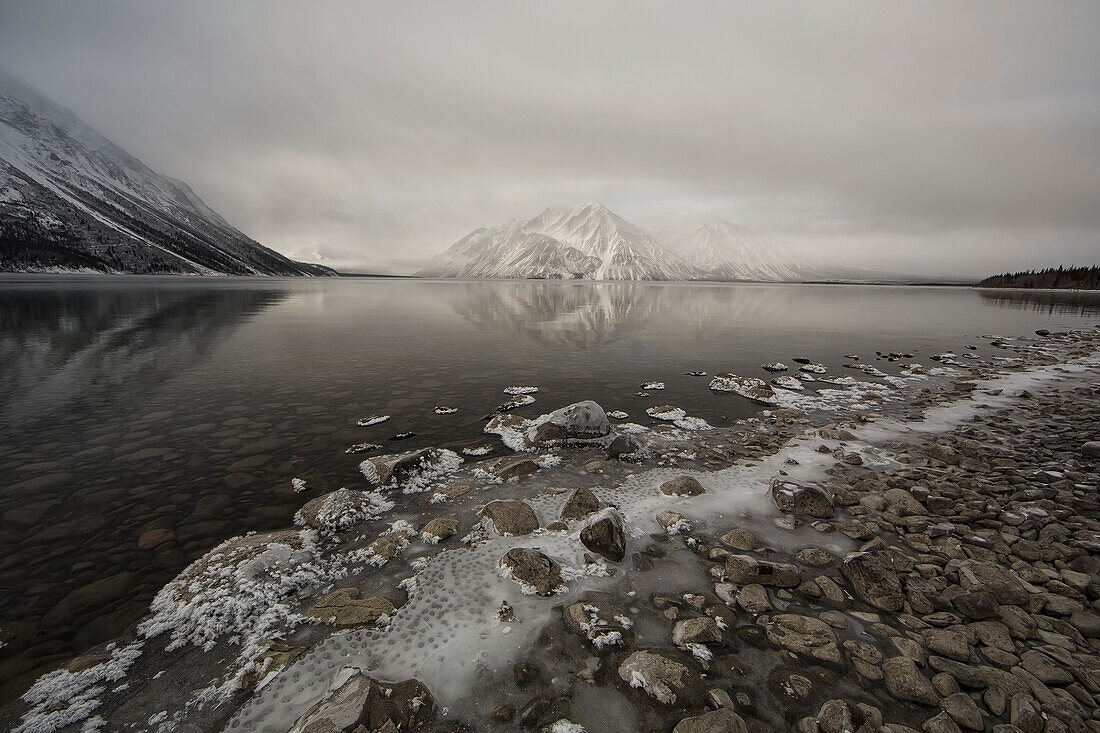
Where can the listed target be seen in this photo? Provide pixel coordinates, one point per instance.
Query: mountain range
(71, 200)
(591, 242)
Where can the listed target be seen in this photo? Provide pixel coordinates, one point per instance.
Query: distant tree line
(1068, 278)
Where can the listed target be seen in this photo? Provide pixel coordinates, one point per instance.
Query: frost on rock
(444, 410)
(299, 485)
(789, 383)
(520, 390)
(775, 366)
(813, 368)
(481, 450)
(666, 412)
(564, 726)
(63, 698)
(366, 422)
(653, 386)
(692, 423)
(516, 402)
(750, 387)
(413, 471)
(580, 421)
(618, 414)
(239, 592)
(341, 509)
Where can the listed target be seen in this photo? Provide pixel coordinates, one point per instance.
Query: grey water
(187, 405)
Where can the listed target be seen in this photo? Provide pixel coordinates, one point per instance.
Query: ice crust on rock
(521, 390)
(666, 412)
(366, 422)
(579, 421)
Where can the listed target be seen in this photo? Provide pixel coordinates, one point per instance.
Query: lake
(143, 420)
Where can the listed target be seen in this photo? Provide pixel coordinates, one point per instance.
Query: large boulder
(534, 569)
(873, 579)
(511, 517)
(361, 703)
(581, 503)
(795, 498)
(604, 535)
(666, 680)
(579, 421)
(1001, 583)
(745, 569)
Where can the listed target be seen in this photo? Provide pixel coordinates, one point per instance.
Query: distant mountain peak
(73, 200)
(587, 241)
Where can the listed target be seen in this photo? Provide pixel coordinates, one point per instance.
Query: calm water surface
(184, 404)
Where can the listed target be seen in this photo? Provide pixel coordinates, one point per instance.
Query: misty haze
(607, 367)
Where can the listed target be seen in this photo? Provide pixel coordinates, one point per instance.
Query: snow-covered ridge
(70, 199)
(592, 242)
(588, 242)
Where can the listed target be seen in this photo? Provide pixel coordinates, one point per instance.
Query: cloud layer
(927, 137)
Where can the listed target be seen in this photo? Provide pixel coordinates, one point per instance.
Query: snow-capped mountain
(725, 251)
(588, 241)
(72, 200)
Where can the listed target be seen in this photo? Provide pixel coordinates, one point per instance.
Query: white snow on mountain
(71, 199)
(725, 251)
(588, 241)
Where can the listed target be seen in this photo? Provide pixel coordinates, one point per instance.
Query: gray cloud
(931, 137)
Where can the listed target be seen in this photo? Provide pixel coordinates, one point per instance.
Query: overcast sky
(924, 137)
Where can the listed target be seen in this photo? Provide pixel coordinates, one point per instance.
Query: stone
(387, 546)
(1091, 449)
(699, 630)
(722, 720)
(595, 467)
(942, 723)
(835, 716)
(902, 503)
(511, 517)
(674, 522)
(533, 568)
(622, 445)
(361, 703)
(155, 538)
(754, 599)
(343, 608)
(337, 510)
(1001, 583)
(905, 682)
(604, 535)
(963, 710)
(794, 498)
(805, 636)
(749, 387)
(976, 605)
(439, 529)
(814, 557)
(742, 539)
(682, 486)
(1044, 668)
(747, 569)
(579, 421)
(394, 468)
(1025, 714)
(580, 504)
(664, 679)
(873, 579)
(947, 643)
(510, 468)
(1087, 623)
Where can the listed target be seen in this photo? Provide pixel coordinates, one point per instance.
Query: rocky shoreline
(921, 553)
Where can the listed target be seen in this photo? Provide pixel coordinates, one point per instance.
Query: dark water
(186, 404)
